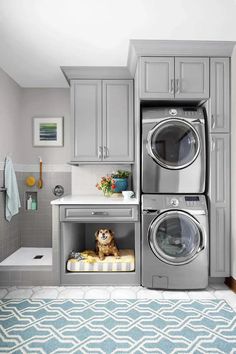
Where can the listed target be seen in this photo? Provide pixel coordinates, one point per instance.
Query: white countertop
(94, 199)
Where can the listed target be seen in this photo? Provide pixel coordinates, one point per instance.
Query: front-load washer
(174, 242)
(173, 150)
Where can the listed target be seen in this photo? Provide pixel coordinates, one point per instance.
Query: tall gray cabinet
(219, 179)
(102, 121)
(204, 80)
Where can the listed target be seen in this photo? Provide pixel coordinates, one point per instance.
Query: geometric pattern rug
(116, 326)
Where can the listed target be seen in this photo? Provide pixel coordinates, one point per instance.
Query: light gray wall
(44, 102)
(17, 107)
(233, 164)
(9, 232)
(10, 95)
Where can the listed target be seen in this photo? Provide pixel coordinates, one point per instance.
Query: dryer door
(176, 237)
(173, 144)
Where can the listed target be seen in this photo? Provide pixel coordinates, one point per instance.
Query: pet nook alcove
(80, 236)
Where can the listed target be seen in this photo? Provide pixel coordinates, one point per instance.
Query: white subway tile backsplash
(85, 177)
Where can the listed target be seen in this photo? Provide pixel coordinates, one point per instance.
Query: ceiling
(39, 36)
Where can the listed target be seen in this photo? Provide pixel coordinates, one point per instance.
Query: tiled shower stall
(30, 228)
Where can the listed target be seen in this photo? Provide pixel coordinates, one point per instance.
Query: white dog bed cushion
(110, 264)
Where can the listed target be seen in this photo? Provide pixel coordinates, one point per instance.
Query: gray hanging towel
(12, 193)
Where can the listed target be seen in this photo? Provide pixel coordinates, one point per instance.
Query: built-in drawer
(90, 213)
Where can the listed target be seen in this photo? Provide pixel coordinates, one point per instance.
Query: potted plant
(107, 185)
(120, 178)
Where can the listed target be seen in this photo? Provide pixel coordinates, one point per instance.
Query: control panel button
(174, 202)
(173, 112)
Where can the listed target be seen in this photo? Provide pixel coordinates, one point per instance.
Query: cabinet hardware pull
(99, 213)
(100, 152)
(177, 89)
(213, 121)
(106, 152)
(213, 144)
(150, 211)
(172, 86)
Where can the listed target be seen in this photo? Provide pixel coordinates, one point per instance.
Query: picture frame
(48, 131)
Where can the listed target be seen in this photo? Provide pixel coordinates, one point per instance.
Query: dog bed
(92, 263)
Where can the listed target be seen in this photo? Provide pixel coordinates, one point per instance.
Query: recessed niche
(31, 200)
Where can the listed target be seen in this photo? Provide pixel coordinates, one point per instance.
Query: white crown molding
(35, 167)
(141, 47)
(95, 72)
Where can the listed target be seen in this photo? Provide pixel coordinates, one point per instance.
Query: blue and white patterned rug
(116, 326)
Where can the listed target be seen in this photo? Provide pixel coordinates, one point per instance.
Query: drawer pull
(99, 213)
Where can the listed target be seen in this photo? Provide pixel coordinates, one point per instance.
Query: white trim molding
(95, 72)
(143, 47)
(35, 167)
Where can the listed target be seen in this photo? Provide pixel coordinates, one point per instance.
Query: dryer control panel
(173, 112)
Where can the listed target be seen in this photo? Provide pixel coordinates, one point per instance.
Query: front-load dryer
(175, 240)
(173, 150)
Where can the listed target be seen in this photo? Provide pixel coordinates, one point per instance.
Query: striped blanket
(110, 264)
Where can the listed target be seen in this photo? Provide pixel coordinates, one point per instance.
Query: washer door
(173, 144)
(175, 237)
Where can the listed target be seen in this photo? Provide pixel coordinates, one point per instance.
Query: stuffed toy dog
(105, 244)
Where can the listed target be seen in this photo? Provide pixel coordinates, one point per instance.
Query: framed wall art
(48, 131)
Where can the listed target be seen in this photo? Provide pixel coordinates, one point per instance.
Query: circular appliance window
(175, 237)
(173, 144)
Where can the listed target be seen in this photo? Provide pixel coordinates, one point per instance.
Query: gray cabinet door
(191, 78)
(118, 120)
(219, 112)
(219, 194)
(157, 77)
(87, 120)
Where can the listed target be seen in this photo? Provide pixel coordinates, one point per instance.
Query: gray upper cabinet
(174, 78)
(219, 194)
(117, 106)
(102, 121)
(157, 77)
(191, 78)
(219, 105)
(87, 122)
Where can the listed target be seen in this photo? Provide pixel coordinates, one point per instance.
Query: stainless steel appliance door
(173, 144)
(176, 237)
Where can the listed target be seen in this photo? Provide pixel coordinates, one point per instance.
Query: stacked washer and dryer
(175, 235)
